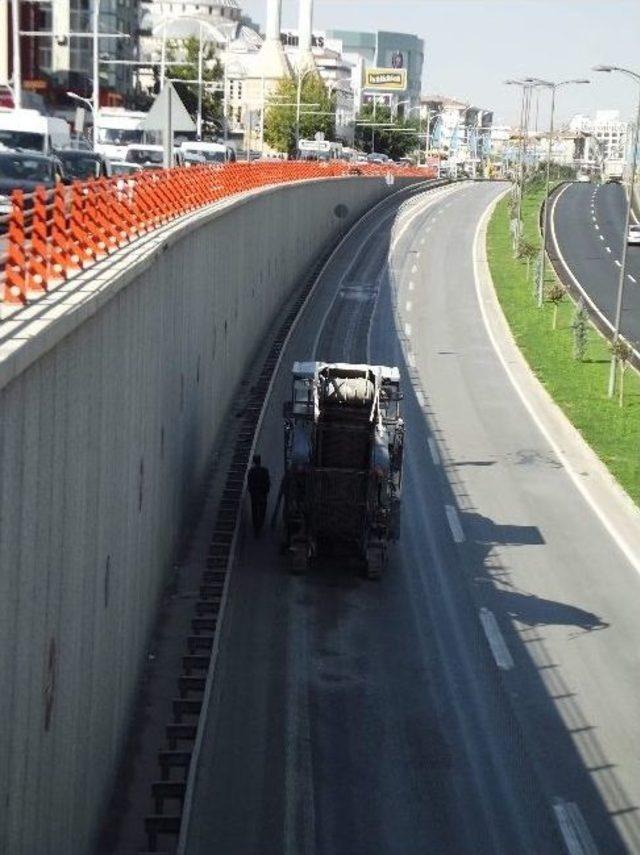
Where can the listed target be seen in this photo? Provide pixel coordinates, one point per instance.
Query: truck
(343, 449)
(29, 130)
(117, 128)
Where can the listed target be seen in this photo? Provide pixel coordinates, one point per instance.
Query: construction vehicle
(343, 446)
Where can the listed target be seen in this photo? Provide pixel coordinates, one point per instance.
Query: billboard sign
(385, 79)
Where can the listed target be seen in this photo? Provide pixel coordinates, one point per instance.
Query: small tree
(579, 326)
(186, 51)
(555, 295)
(280, 117)
(395, 142)
(528, 251)
(621, 352)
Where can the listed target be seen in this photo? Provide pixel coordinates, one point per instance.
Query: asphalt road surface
(484, 696)
(589, 223)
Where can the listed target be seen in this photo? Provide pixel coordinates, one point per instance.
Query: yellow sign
(386, 79)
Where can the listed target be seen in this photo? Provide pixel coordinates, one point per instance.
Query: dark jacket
(258, 481)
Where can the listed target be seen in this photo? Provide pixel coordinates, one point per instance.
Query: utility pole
(17, 67)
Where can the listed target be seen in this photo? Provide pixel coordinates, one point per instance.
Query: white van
(151, 156)
(116, 129)
(213, 152)
(28, 129)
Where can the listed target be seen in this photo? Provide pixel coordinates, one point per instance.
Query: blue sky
(471, 46)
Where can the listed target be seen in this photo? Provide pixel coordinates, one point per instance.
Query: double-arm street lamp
(623, 264)
(527, 85)
(553, 87)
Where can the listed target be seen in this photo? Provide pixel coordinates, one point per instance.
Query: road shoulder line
(615, 509)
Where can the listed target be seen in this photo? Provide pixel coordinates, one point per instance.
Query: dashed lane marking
(420, 397)
(414, 269)
(632, 278)
(608, 248)
(601, 237)
(433, 450)
(408, 306)
(454, 524)
(407, 330)
(412, 285)
(575, 833)
(412, 359)
(498, 645)
(597, 227)
(616, 262)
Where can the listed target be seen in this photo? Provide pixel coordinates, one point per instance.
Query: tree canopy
(280, 121)
(395, 142)
(186, 50)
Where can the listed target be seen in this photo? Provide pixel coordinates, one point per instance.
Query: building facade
(381, 49)
(612, 134)
(57, 56)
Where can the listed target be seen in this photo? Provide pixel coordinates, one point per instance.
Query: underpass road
(589, 224)
(357, 717)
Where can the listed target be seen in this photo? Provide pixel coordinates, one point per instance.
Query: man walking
(259, 484)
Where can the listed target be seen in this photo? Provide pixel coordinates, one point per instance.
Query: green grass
(580, 388)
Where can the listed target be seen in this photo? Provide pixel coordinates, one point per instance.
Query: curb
(611, 504)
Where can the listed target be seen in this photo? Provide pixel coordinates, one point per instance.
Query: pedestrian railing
(51, 235)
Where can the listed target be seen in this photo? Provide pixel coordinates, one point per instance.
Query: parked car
(151, 156)
(194, 158)
(20, 170)
(121, 167)
(583, 177)
(634, 234)
(82, 165)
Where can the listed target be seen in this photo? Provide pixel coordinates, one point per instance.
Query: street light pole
(199, 108)
(17, 66)
(87, 103)
(623, 262)
(545, 220)
(96, 66)
(301, 76)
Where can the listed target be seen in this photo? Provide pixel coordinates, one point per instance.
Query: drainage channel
(180, 734)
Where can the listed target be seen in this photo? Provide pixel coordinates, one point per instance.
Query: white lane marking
(601, 237)
(412, 359)
(629, 276)
(427, 229)
(593, 217)
(454, 523)
(433, 450)
(616, 262)
(420, 397)
(409, 306)
(414, 269)
(412, 285)
(421, 241)
(576, 835)
(597, 227)
(498, 645)
(608, 248)
(407, 330)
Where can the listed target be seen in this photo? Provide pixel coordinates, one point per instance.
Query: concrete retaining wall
(111, 394)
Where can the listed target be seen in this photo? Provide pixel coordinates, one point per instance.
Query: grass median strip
(579, 386)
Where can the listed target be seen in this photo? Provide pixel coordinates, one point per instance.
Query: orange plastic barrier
(53, 234)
